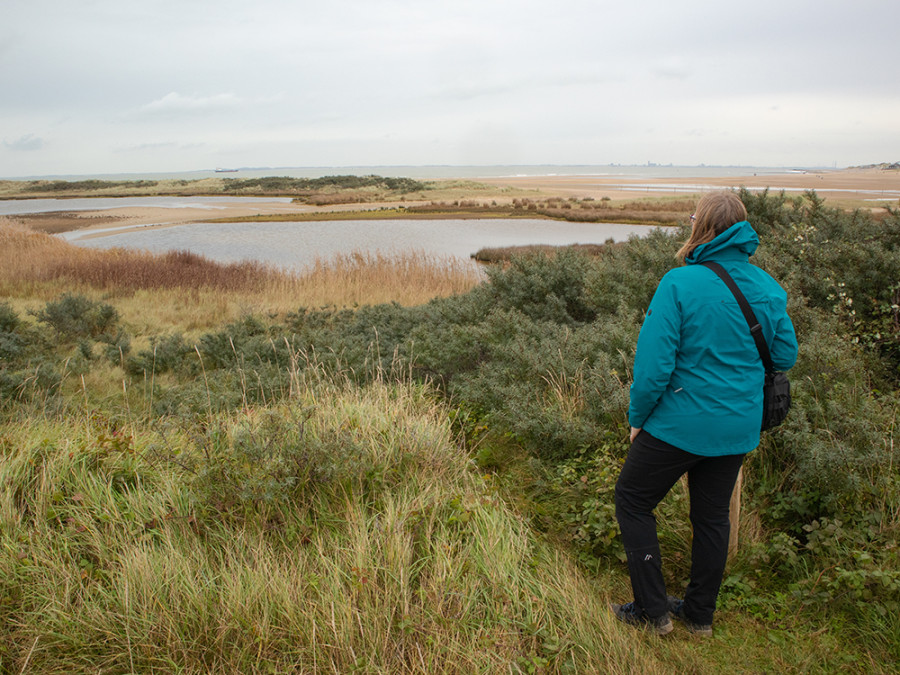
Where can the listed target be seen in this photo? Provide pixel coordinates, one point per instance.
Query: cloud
(6, 46)
(174, 102)
(672, 68)
(162, 146)
(26, 143)
(125, 87)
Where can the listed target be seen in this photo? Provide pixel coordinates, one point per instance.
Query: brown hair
(716, 212)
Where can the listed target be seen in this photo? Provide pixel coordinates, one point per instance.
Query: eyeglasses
(693, 217)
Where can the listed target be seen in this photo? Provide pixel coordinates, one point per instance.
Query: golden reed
(29, 260)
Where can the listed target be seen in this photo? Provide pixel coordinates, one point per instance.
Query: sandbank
(837, 185)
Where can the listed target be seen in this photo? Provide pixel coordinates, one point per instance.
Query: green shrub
(845, 263)
(628, 273)
(9, 320)
(28, 369)
(12, 343)
(287, 185)
(268, 463)
(247, 342)
(75, 316)
(586, 486)
(544, 287)
(85, 185)
(167, 353)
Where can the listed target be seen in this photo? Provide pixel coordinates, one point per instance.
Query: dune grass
(394, 558)
(342, 530)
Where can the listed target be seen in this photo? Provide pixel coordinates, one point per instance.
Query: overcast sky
(105, 86)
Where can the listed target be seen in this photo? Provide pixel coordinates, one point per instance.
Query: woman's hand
(634, 433)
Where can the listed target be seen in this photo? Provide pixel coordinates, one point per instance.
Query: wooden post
(734, 509)
(734, 513)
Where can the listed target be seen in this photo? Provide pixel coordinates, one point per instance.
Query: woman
(696, 408)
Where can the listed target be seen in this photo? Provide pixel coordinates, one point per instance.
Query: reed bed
(409, 277)
(124, 269)
(182, 289)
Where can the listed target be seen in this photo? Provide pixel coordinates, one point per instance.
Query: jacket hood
(738, 242)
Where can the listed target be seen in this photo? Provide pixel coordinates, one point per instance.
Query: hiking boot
(676, 609)
(628, 613)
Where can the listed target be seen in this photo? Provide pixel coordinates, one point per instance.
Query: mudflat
(839, 185)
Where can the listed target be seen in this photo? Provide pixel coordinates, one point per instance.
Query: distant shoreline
(848, 188)
(842, 184)
(446, 172)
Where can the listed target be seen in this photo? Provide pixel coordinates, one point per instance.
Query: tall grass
(397, 559)
(341, 531)
(185, 290)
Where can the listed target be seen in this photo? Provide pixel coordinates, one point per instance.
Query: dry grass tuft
(410, 278)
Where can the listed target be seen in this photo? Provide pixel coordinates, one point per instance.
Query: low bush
(286, 185)
(12, 342)
(86, 185)
(505, 254)
(75, 316)
(29, 369)
(166, 353)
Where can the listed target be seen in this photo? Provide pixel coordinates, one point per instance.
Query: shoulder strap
(755, 328)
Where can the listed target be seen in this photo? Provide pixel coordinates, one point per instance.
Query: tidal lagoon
(295, 245)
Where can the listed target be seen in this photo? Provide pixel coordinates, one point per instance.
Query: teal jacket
(698, 377)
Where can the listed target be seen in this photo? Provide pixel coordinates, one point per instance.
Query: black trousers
(651, 469)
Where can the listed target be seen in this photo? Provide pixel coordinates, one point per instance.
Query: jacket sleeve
(657, 347)
(784, 343)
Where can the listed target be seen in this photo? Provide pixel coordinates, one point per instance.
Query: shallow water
(295, 245)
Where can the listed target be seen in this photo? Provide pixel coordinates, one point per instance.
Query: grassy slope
(394, 557)
(397, 558)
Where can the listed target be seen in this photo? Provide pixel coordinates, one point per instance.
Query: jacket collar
(738, 242)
